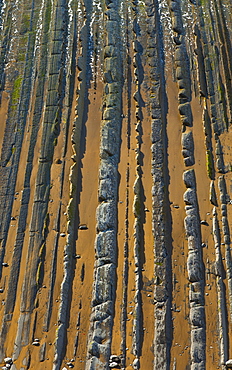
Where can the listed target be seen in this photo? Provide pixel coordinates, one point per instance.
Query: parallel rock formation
(115, 184)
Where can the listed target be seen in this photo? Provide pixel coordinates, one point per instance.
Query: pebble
(4, 264)
(70, 365)
(113, 365)
(8, 360)
(83, 227)
(204, 222)
(35, 344)
(62, 235)
(115, 358)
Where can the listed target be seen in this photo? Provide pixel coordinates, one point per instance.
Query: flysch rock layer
(115, 184)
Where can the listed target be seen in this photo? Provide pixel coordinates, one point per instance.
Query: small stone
(113, 365)
(115, 358)
(229, 363)
(1, 290)
(8, 366)
(35, 344)
(204, 222)
(83, 227)
(8, 360)
(136, 364)
(62, 235)
(77, 256)
(70, 365)
(13, 218)
(4, 264)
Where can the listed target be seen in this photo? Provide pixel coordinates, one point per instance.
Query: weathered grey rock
(156, 130)
(111, 69)
(189, 178)
(42, 352)
(197, 316)
(190, 197)
(101, 330)
(180, 53)
(157, 154)
(194, 266)
(107, 170)
(160, 340)
(104, 283)
(186, 114)
(109, 142)
(160, 293)
(213, 197)
(199, 365)
(109, 51)
(177, 23)
(187, 141)
(106, 191)
(188, 148)
(112, 101)
(193, 243)
(102, 311)
(112, 33)
(219, 156)
(105, 246)
(198, 345)
(192, 226)
(106, 217)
